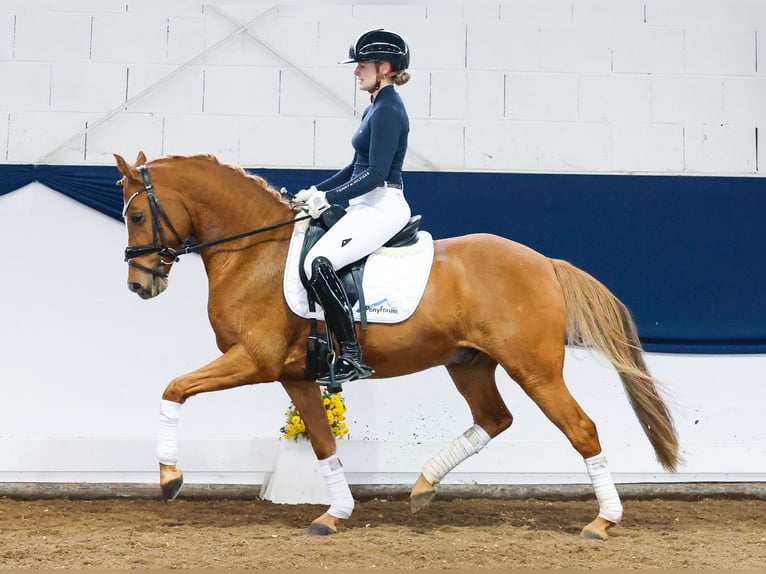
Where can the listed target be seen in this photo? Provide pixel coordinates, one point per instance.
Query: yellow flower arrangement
(336, 415)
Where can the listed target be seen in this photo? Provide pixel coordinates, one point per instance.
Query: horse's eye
(137, 217)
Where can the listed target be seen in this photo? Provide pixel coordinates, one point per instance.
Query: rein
(169, 255)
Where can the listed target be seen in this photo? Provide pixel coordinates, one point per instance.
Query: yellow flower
(335, 408)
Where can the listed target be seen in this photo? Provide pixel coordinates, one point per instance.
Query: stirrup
(346, 370)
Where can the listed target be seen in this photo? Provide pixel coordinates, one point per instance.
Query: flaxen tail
(597, 318)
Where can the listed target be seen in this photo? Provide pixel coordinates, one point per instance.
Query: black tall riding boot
(337, 311)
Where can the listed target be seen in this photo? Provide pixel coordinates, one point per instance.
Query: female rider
(372, 186)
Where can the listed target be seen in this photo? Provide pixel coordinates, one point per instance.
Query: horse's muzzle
(154, 287)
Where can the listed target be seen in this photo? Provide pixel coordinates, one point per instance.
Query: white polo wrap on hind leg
(341, 501)
(609, 505)
(467, 444)
(167, 438)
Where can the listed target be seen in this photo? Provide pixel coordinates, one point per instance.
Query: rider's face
(366, 73)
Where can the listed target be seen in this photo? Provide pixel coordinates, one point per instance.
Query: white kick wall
(576, 86)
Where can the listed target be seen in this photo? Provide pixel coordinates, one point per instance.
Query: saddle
(351, 276)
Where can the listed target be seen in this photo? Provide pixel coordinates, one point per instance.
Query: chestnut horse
(489, 301)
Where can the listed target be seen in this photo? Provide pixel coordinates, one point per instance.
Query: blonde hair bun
(401, 78)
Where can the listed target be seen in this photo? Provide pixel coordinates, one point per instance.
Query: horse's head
(157, 226)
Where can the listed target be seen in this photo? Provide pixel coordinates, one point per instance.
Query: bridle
(169, 255)
(159, 244)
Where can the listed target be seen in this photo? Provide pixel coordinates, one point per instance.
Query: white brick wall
(648, 50)
(242, 91)
(614, 98)
(186, 38)
(467, 95)
(714, 51)
(760, 36)
(648, 148)
(659, 86)
(710, 148)
(444, 135)
(495, 145)
(133, 38)
(573, 49)
(607, 14)
(519, 50)
(29, 133)
(744, 101)
(7, 25)
(543, 97)
(4, 120)
(26, 86)
(180, 95)
(687, 100)
(293, 147)
(214, 134)
(332, 142)
(703, 13)
(87, 86)
(47, 36)
(125, 134)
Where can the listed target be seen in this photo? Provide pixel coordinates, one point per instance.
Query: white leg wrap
(609, 505)
(167, 438)
(467, 444)
(341, 501)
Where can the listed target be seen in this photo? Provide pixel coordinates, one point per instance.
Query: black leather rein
(159, 244)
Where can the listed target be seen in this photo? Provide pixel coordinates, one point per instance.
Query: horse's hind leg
(476, 382)
(548, 390)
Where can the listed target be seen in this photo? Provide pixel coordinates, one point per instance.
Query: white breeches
(371, 220)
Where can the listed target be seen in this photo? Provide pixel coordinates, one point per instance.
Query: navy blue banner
(93, 186)
(687, 255)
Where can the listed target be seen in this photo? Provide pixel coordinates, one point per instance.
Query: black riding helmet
(378, 46)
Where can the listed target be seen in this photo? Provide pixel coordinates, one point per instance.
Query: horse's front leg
(307, 398)
(233, 369)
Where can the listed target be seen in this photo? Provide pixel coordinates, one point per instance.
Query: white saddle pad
(394, 279)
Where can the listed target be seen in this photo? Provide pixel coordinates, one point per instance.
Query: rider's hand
(317, 203)
(303, 195)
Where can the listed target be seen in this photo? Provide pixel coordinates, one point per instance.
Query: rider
(372, 186)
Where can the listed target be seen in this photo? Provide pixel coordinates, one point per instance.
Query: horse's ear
(130, 172)
(141, 159)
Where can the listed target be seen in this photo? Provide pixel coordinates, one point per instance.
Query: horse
(516, 309)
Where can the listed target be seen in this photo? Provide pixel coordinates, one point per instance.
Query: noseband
(167, 254)
(159, 244)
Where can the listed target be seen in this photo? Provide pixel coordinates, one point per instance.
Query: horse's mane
(234, 170)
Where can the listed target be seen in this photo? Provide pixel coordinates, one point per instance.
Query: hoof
(420, 500)
(421, 494)
(316, 529)
(596, 530)
(171, 481)
(171, 489)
